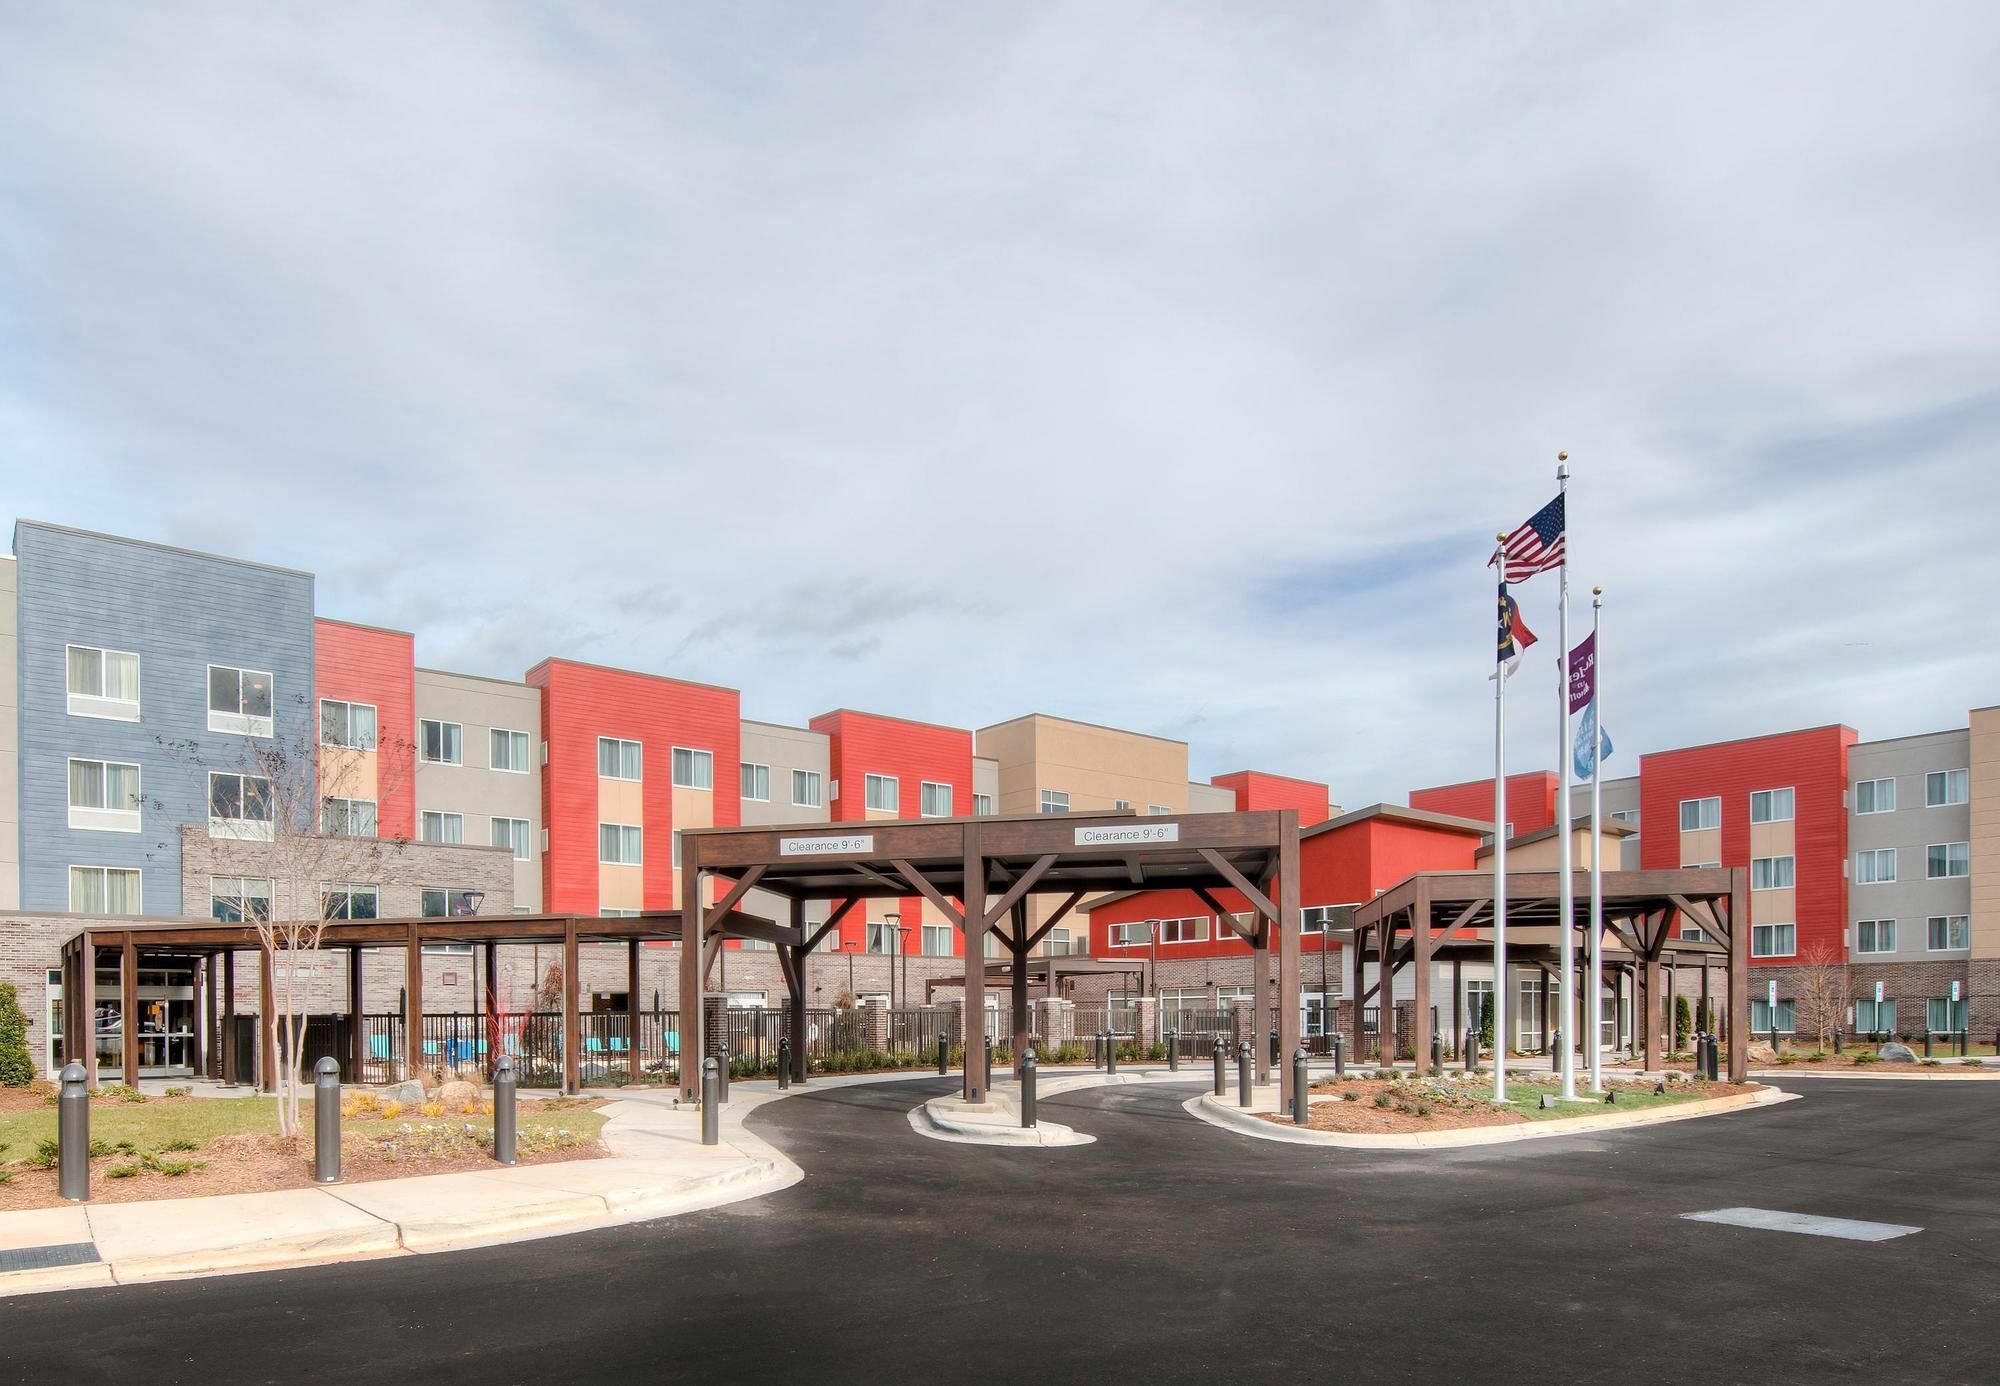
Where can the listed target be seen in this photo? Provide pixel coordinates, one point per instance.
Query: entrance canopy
(1450, 914)
(1049, 973)
(979, 874)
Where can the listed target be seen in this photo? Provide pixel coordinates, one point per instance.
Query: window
(881, 937)
(1190, 930)
(104, 796)
(239, 700)
(1318, 919)
(1945, 932)
(1877, 867)
(1773, 940)
(1697, 814)
(805, 788)
(1771, 806)
(982, 805)
(347, 817)
(1124, 935)
(693, 769)
(351, 725)
(1055, 801)
(440, 743)
(103, 683)
(1761, 1017)
(1625, 816)
(618, 760)
(618, 844)
(617, 914)
(1773, 873)
(1943, 1016)
(1058, 944)
(1121, 804)
(236, 899)
(509, 750)
(239, 806)
(445, 902)
(437, 826)
(937, 940)
(348, 901)
(513, 833)
(1943, 860)
(882, 792)
(935, 799)
(756, 782)
(1693, 933)
(1875, 796)
(674, 842)
(1872, 1017)
(104, 890)
(1158, 810)
(1943, 788)
(1875, 936)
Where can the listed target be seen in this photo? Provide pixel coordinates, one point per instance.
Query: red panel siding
(581, 702)
(1254, 789)
(861, 744)
(1531, 800)
(1811, 763)
(361, 664)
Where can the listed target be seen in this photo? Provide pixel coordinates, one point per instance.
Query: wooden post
(1739, 975)
(267, 1019)
(204, 1032)
(1420, 941)
(492, 1006)
(694, 935)
(632, 1010)
(87, 1003)
(1457, 1004)
(413, 1005)
(1545, 1009)
(229, 1073)
(1289, 920)
(1017, 949)
(572, 1014)
(797, 999)
(1649, 995)
(357, 1043)
(1260, 1006)
(1385, 990)
(128, 1008)
(1356, 966)
(973, 930)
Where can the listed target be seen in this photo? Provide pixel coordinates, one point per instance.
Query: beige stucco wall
(784, 749)
(986, 780)
(1214, 798)
(1700, 846)
(1985, 805)
(1096, 766)
(10, 733)
(475, 788)
(1546, 854)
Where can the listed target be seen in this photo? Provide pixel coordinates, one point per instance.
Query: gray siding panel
(179, 612)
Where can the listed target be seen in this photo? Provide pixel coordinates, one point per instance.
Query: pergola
(1449, 914)
(221, 941)
(979, 874)
(1051, 974)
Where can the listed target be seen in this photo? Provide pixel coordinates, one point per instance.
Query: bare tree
(1824, 993)
(303, 807)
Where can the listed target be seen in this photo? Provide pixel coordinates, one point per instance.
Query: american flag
(1535, 547)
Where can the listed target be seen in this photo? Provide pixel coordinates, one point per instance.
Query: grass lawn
(1528, 1097)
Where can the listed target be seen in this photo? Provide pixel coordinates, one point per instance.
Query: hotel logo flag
(1587, 742)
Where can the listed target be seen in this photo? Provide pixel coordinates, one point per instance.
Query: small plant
(1350, 1097)
(99, 1149)
(1932, 1063)
(174, 1169)
(1867, 1056)
(182, 1143)
(123, 1147)
(1424, 1108)
(17, 1070)
(178, 1092)
(124, 1171)
(1788, 1058)
(1383, 1100)
(432, 1109)
(389, 1111)
(47, 1152)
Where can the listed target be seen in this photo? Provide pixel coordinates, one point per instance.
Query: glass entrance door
(166, 1021)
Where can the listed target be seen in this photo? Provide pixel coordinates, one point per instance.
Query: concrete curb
(997, 1121)
(1249, 1123)
(1869, 1075)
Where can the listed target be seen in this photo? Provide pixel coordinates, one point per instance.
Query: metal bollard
(73, 1134)
(1437, 1052)
(326, 1121)
(1555, 1051)
(1243, 1074)
(711, 1102)
(1277, 1055)
(1111, 1053)
(989, 1059)
(1028, 1088)
(1339, 1055)
(1471, 1050)
(944, 1057)
(1221, 1082)
(1299, 1081)
(1927, 1043)
(1173, 1051)
(504, 1126)
(1714, 1057)
(1097, 1050)
(1964, 1044)
(1774, 1037)
(722, 1072)
(784, 1062)
(1836, 1041)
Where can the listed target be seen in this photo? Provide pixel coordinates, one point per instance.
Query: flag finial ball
(1597, 591)
(1562, 457)
(1501, 536)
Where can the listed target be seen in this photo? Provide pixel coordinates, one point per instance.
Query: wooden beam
(840, 912)
(1061, 911)
(1021, 886)
(759, 929)
(1225, 918)
(719, 911)
(1134, 872)
(1259, 901)
(933, 894)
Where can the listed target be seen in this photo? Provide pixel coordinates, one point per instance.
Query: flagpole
(1596, 841)
(1499, 869)
(1566, 1058)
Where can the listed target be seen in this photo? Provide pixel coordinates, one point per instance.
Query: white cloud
(963, 362)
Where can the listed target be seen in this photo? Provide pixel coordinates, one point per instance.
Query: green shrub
(16, 1069)
(47, 1152)
(100, 1149)
(179, 1092)
(182, 1143)
(1867, 1056)
(1382, 1100)
(125, 1171)
(1683, 1022)
(1350, 1097)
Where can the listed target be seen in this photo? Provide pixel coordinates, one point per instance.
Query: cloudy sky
(1164, 365)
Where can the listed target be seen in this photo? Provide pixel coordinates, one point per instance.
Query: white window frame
(239, 722)
(240, 829)
(982, 805)
(936, 940)
(873, 797)
(638, 837)
(674, 842)
(619, 743)
(1879, 936)
(1772, 871)
(443, 757)
(138, 873)
(348, 705)
(449, 913)
(517, 835)
(1158, 810)
(1191, 928)
(809, 781)
(1314, 919)
(1129, 934)
(443, 818)
(1876, 1013)
(748, 773)
(105, 819)
(98, 704)
(1770, 797)
(1875, 796)
(1955, 1013)
(701, 768)
(496, 737)
(1788, 1016)
(241, 895)
(351, 816)
(1964, 851)
(349, 889)
(1699, 806)
(926, 791)
(1121, 805)
(1624, 816)
(1770, 932)
(1874, 856)
(1961, 779)
(1964, 923)
(1054, 801)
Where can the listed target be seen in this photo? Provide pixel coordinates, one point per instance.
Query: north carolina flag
(1515, 637)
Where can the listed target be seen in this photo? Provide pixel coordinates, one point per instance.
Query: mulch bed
(1363, 1117)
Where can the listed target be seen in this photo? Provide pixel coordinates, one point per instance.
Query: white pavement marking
(1771, 1220)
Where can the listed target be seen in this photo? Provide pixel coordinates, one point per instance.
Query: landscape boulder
(408, 1093)
(1894, 1053)
(457, 1095)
